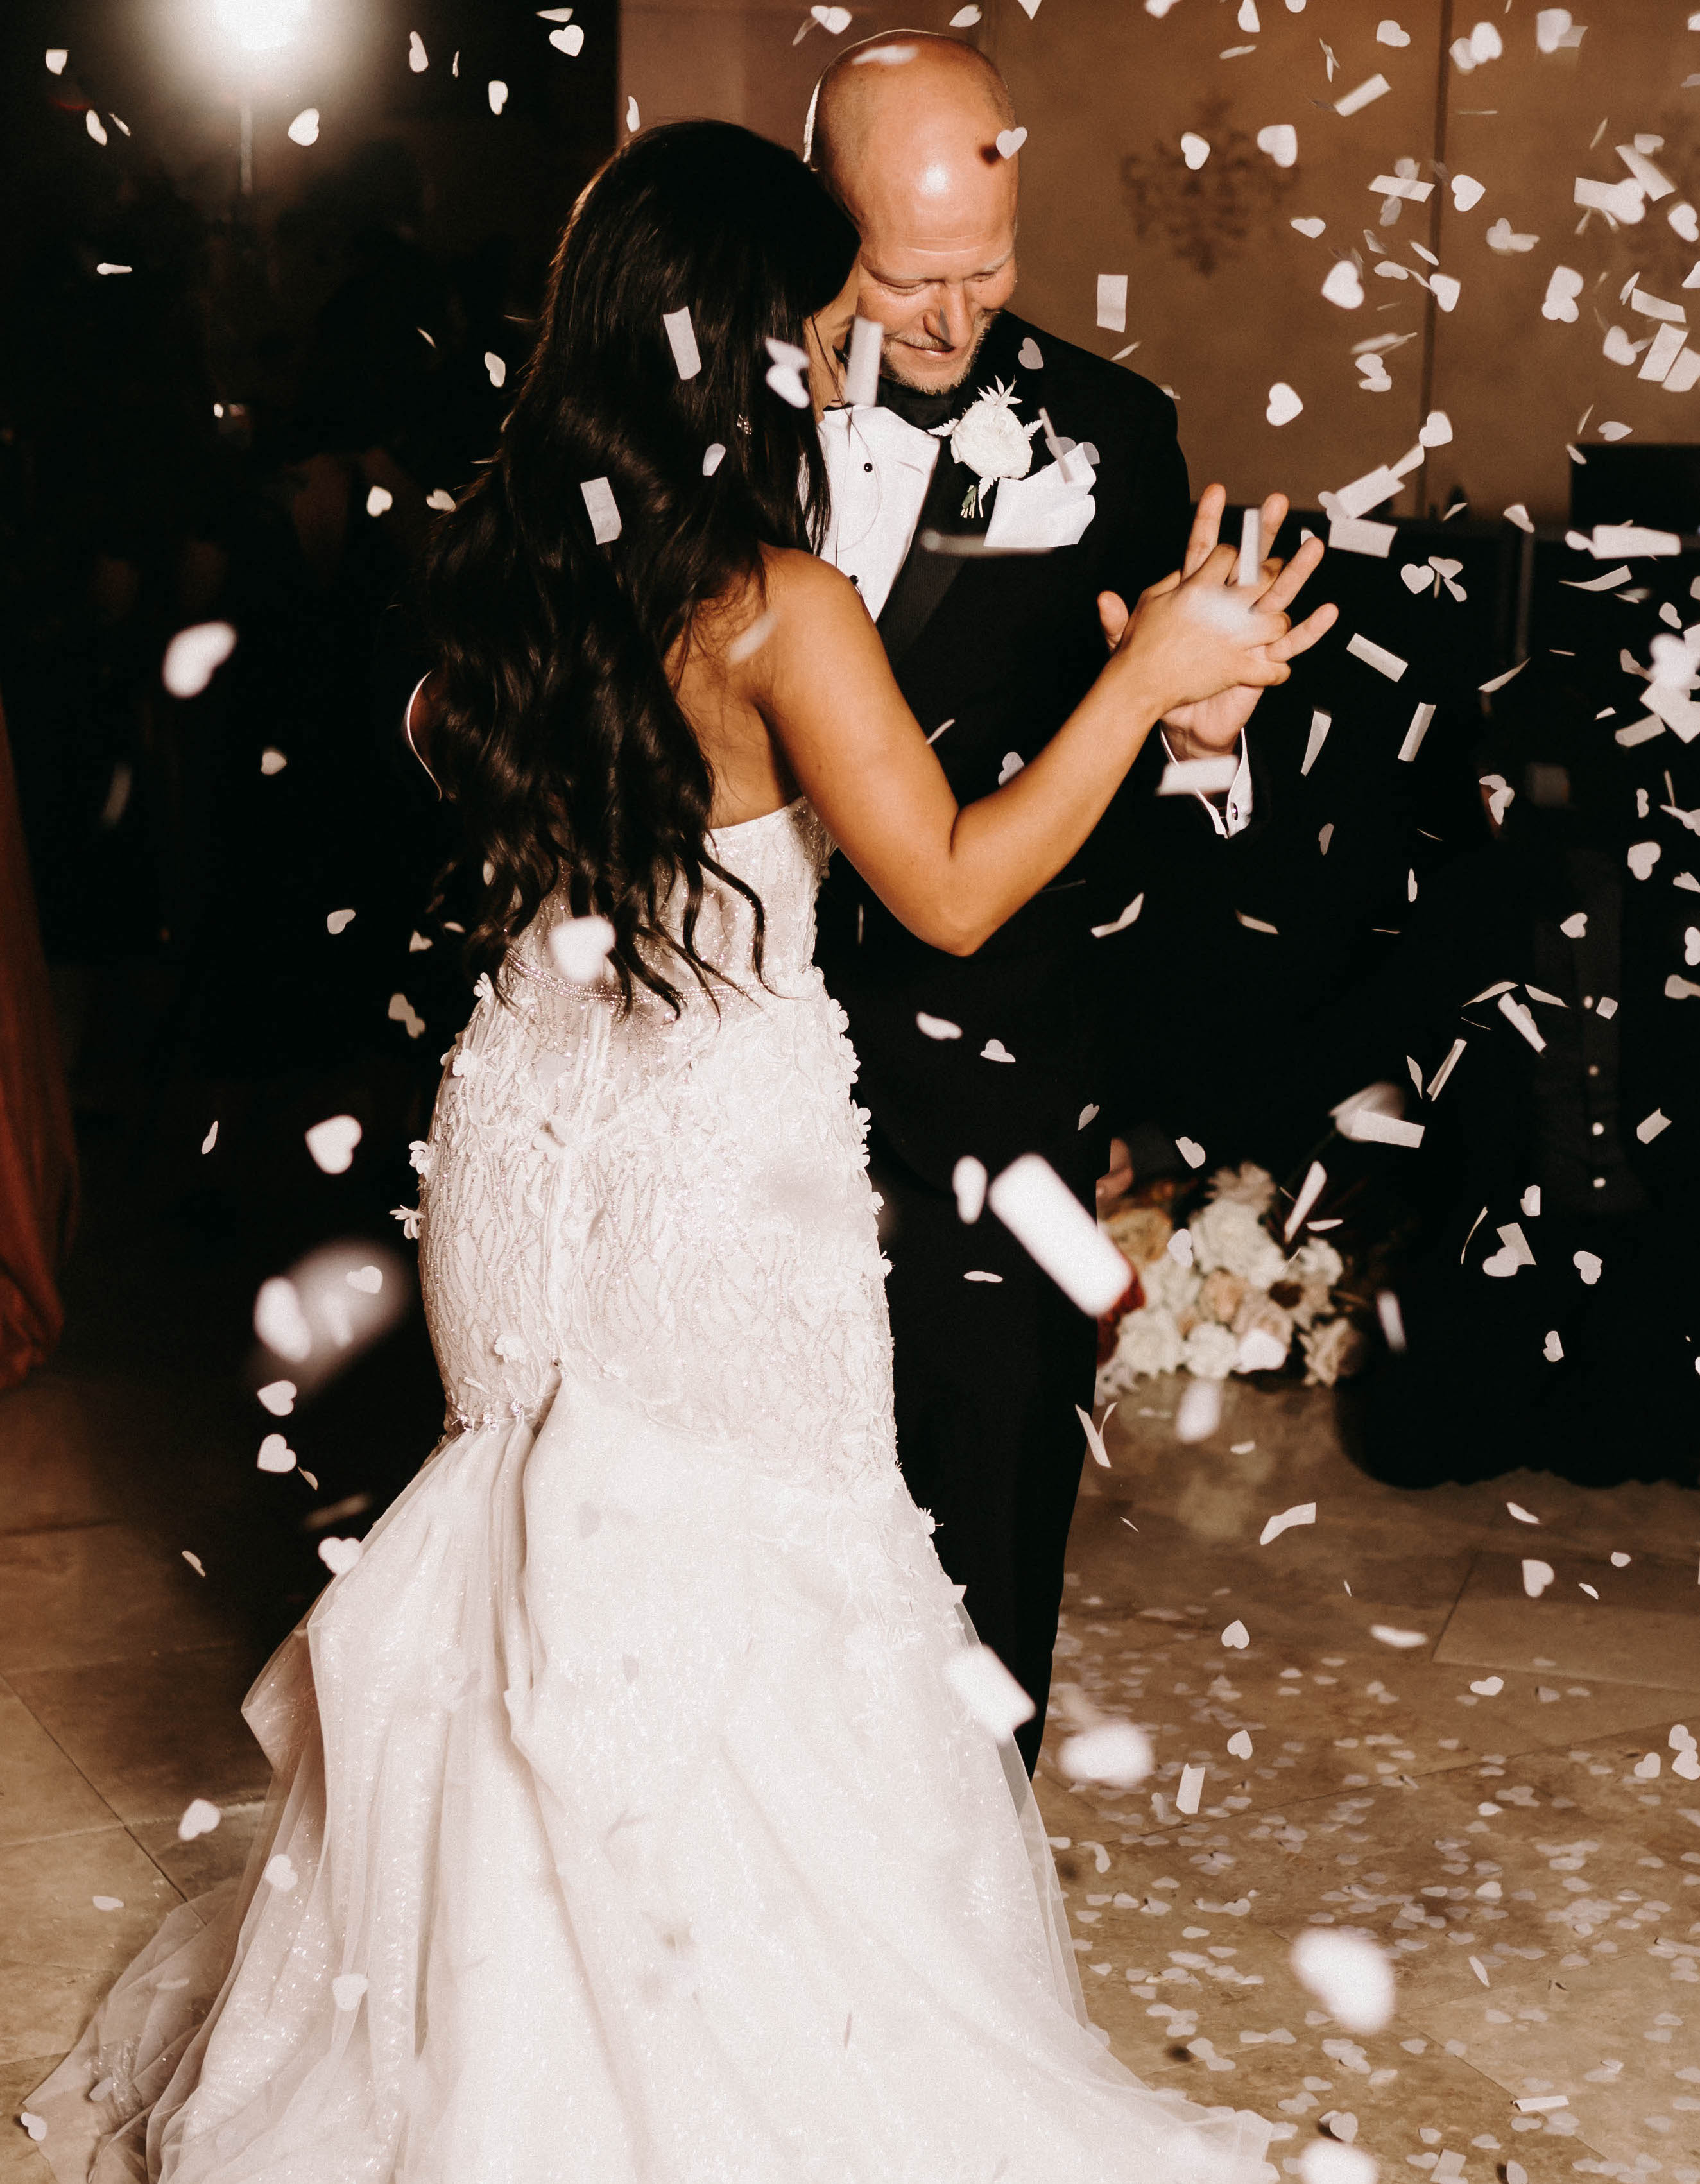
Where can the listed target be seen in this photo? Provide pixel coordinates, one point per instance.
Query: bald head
(905, 127)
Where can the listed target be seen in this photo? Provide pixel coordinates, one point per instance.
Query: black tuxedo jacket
(1004, 648)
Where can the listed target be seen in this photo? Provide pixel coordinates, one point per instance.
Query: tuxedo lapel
(924, 578)
(923, 582)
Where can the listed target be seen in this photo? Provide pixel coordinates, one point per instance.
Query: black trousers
(988, 1375)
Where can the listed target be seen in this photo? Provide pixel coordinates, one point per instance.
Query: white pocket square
(1044, 510)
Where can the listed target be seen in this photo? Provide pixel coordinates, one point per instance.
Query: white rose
(1168, 1285)
(1210, 1351)
(990, 440)
(1147, 1341)
(1246, 1185)
(1316, 1260)
(1229, 1233)
(1334, 1349)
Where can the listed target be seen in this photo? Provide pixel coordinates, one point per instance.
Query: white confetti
(1344, 285)
(1191, 1786)
(1114, 1752)
(1112, 302)
(579, 948)
(497, 367)
(1095, 1434)
(1194, 149)
(1121, 923)
(194, 1562)
(600, 507)
(1280, 140)
(1389, 1634)
(1589, 1265)
(1376, 656)
(1199, 1412)
(333, 1142)
(990, 1692)
(276, 1454)
(1191, 1152)
(1536, 1576)
(417, 58)
(937, 1027)
(1301, 1513)
(278, 1396)
(1350, 1976)
(280, 1872)
(193, 657)
(200, 1817)
(497, 92)
(1365, 94)
(1054, 1228)
(968, 1182)
(348, 1988)
(338, 921)
(339, 1555)
(1236, 1636)
(1489, 1687)
(91, 122)
(1239, 1744)
(304, 128)
(1651, 1125)
(1523, 1515)
(33, 2125)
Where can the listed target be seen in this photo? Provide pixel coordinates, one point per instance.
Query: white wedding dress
(626, 1828)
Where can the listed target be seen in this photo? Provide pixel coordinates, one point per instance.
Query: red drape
(38, 1151)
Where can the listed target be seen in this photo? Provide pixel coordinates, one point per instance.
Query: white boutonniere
(990, 440)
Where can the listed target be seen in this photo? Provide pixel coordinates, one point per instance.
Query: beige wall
(1224, 298)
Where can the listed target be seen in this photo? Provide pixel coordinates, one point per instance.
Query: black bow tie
(918, 408)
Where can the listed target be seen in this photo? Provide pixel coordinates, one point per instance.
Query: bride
(627, 1826)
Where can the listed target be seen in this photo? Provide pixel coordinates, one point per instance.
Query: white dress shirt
(879, 466)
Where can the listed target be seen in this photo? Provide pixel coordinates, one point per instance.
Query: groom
(991, 1055)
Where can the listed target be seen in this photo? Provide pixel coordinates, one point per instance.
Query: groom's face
(937, 258)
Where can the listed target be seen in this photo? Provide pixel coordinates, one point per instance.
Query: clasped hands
(1209, 727)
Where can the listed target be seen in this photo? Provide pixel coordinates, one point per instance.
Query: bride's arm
(953, 874)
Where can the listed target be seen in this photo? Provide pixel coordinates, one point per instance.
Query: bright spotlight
(262, 27)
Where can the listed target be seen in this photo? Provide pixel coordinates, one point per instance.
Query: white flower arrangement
(990, 440)
(1207, 1305)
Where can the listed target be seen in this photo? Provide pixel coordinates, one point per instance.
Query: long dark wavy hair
(555, 729)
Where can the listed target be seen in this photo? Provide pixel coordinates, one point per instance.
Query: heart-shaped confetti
(1283, 403)
(965, 18)
(195, 655)
(1553, 1350)
(1236, 1636)
(1589, 1265)
(1312, 227)
(1489, 1687)
(271, 760)
(569, 39)
(1559, 302)
(995, 1050)
(278, 1396)
(1194, 149)
(1028, 356)
(1645, 1771)
(280, 1872)
(1415, 577)
(276, 1454)
(968, 1181)
(1344, 286)
(1388, 33)
(834, 20)
(333, 1142)
(1467, 192)
(1010, 142)
(1536, 1576)
(108, 1902)
(1642, 857)
(1683, 217)
(1280, 140)
(348, 1988)
(1239, 1744)
(339, 1556)
(937, 1027)
(338, 921)
(200, 1817)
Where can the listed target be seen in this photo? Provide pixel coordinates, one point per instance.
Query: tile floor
(1536, 1878)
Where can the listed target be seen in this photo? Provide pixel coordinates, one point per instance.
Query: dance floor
(1481, 1779)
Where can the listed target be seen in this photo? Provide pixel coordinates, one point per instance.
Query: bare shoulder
(803, 585)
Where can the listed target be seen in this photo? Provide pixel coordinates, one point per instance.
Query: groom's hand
(1214, 726)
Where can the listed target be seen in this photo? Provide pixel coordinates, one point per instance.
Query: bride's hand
(1212, 720)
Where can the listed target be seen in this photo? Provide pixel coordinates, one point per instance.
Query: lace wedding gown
(626, 1826)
